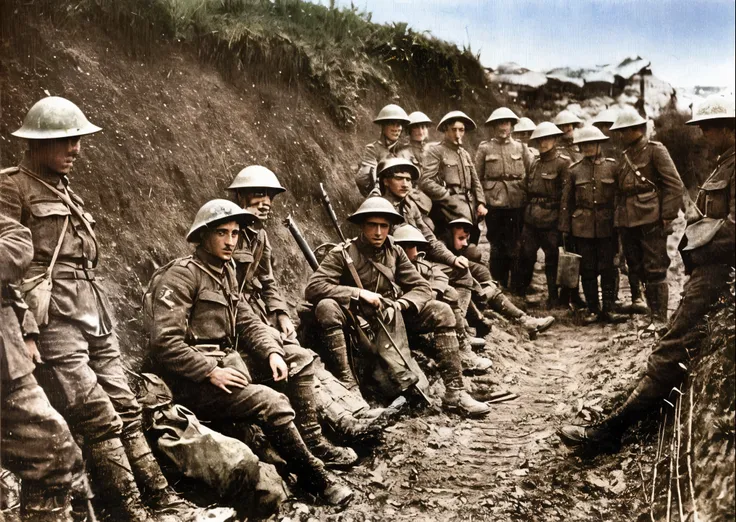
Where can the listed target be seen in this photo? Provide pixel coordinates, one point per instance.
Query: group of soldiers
(220, 333)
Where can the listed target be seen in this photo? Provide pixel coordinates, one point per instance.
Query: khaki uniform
(709, 269)
(414, 152)
(646, 196)
(450, 180)
(367, 176)
(502, 167)
(83, 372)
(35, 442)
(572, 151)
(544, 184)
(586, 211)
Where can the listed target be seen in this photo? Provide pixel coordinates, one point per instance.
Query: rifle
(331, 212)
(303, 245)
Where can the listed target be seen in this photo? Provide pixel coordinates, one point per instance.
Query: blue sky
(689, 42)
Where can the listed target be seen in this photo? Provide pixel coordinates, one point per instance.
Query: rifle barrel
(303, 245)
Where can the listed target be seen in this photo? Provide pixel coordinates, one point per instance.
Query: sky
(689, 42)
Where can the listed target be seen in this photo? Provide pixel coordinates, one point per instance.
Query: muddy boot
(447, 353)
(114, 480)
(536, 324)
(459, 401)
(336, 355)
(657, 295)
(472, 363)
(606, 434)
(311, 472)
(553, 296)
(608, 285)
(43, 504)
(365, 426)
(590, 288)
(301, 395)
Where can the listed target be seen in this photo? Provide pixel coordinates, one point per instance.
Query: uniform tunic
(375, 152)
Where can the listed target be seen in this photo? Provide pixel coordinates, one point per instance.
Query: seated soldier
(197, 319)
(373, 261)
(456, 239)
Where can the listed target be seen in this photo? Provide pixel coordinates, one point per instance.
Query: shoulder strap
(637, 173)
(257, 255)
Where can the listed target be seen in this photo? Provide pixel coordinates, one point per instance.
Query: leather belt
(68, 272)
(638, 190)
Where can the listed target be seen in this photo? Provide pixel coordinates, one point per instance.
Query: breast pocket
(608, 189)
(492, 166)
(549, 182)
(46, 221)
(451, 173)
(516, 167)
(716, 198)
(211, 316)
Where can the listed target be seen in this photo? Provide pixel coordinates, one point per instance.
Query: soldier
(567, 122)
(394, 285)
(35, 442)
(586, 212)
(449, 177)
(396, 176)
(544, 191)
(502, 164)
(392, 120)
(418, 129)
(649, 197)
(83, 372)
(198, 318)
(255, 189)
(708, 248)
(523, 131)
(457, 239)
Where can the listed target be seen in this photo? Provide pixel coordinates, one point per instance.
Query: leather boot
(43, 504)
(336, 354)
(365, 426)
(458, 400)
(115, 482)
(301, 395)
(311, 472)
(446, 348)
(638, 304)
(657, 295)
(471, 362)
(608, 287)
(590, 289)
(553, 297)
(607, 432)
(536, 324)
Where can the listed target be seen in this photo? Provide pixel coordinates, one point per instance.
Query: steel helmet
(605, 116)
(217, 211)
(461, 222)
(392, 112)
(546, 129)
(391, 166)
(456, 116)
(376, 206)
(418, 118)
(566, 118)
(714, 107)
(588, 134)
(54, 117)
(256, 177)
(501, 114)
(525, 125)
(628, 117)
(407, 234)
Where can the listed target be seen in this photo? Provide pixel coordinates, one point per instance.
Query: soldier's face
(455, 132)
(590, 149)
(375, 230)
(502, 129)
(630, 134)
(419, 132)
(460, 237)
(258, 202)
(399, 185)
(523, 136)
(605, 128)
(222, 240)
(715, 136)
(392, 130)
(57, 155)
(567, 129)
(411, 251)
(546, 144)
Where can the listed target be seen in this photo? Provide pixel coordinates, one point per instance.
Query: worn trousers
(504, 226)
(645, 248)
(35, 442)
(687, 325)
(84, 379)
(532, 239)
(597, 256)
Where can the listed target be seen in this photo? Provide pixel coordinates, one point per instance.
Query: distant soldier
(650, 195)
(198, 318)
(392, 120)
(502, 164)
(449, 177)
(604, 120)
(544, 184)
(391, 285)
(83, 372)
(418, 130)
(586, 212)
(567, 122)
(708, 249)
(35, 442)
(523, 130)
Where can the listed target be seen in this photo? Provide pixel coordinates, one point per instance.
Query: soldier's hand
(371, 298)
(462, 262)
(224, 377)
(481, 211)
(285, 325)
(278, 367)
(32, 350)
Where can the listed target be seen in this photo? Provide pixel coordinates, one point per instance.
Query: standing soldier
(586, 212)
(414, 151)
(449, 177)
(567, 122)
(395, 287)
(544, 184)
(197, 319)
(502, 164)
(82, 372)
(35, 442)
(708, 248)
(523, 130)
(649, 197)
(392, 120)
